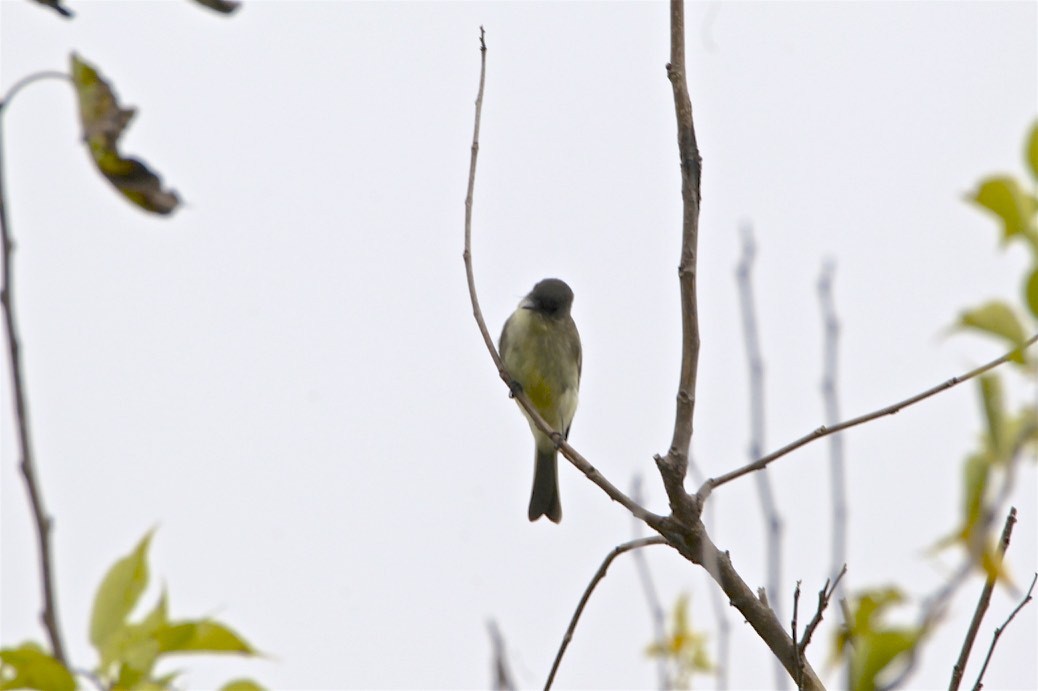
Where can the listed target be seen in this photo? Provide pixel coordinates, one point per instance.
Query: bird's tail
(545, 498)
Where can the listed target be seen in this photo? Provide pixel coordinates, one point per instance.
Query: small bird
(540, 348)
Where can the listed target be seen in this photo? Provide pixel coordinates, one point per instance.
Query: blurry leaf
(1032, 151)
(684, 646)
(242, 685)
(134, 648)
(29, 667)
(875, 651)
(998, 319)
(57, 7)
(103, 122)
(118, 594)
(994, 566)
(1031, 292)
(875, 645)
(977, 471)
(221, 6)
(1003, 196)
(201, 636)
(995, 414)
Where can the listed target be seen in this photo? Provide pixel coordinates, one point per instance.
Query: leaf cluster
(128, 651)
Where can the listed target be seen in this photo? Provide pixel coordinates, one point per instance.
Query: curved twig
(998, 633)
(27, 463)
(825, 431)
(582, 464)
(599, 575)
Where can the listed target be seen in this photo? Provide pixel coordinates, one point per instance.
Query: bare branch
(838, 483)
(27, 462)
(755, 363)
(724, 627)
(568, 451)
(998, 633)
(825, 431)
(652, 598)
(824, 595)
(674, 465)
(982, 605)
(798, 659)
(599, 575)
(502, 674)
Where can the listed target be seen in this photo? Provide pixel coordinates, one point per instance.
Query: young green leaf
(242, 685)
(1004, 197)
(1031, 292)
(118, 594)
(103, 121)
(203, 636)
(995, 414)
(1031, 153)
(998, 319)
(29, 667)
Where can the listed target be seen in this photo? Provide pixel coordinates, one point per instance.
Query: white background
(286, 379)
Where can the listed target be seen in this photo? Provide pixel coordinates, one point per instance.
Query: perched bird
(540, 348)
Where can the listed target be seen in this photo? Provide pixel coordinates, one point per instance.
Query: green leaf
(1004, 197)
(29, 667)
(103, 121)
(242, 685)
(875, 651)
(994, 413)
(998, 319)
(203, 636)
(1031, 292)
(134, 648)
(118, 594)
(976, 473)
(1031, 153)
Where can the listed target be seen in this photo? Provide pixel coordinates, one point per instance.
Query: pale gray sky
(285, 377)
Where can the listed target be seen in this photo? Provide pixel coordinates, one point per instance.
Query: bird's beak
(526, 304)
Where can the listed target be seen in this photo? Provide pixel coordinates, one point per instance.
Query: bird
(540, 350)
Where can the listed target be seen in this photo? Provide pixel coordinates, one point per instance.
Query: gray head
(550, 297)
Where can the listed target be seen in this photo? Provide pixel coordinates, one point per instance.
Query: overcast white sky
(286, 379)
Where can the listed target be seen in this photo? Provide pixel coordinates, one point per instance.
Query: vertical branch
(832, 417)
(769, 509)
(27, 462)
(674, 466)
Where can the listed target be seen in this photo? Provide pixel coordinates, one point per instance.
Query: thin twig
(582, 464)
(616, 551)
(825, 431)
(499, 668)
(838, 482)
(674, 465)
(998, 633)
(824, 596)
(982, 604)
(755, 363)
(798, 661)
(27, 462)
(724, 627)
(652, 598)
